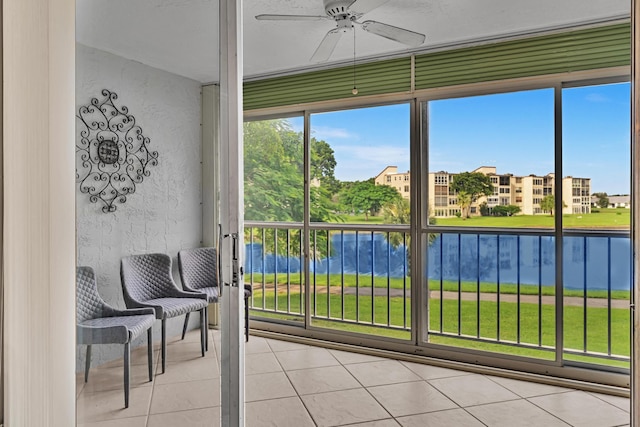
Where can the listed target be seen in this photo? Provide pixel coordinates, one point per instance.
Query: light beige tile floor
(294, 385)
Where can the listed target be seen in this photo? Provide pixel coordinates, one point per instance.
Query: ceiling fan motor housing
(336, 8)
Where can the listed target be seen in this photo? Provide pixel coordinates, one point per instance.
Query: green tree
(548, 204)
(484, 209)
(366, 197)
(274, 173)
(603, 199)
(323, 165)
(397, 211)
(508, 210)
(272, 177)
(470, 186)
(464, 200)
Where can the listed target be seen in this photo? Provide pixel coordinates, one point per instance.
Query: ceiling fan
(346, 13)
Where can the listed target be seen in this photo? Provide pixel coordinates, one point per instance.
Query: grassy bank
(598, 219)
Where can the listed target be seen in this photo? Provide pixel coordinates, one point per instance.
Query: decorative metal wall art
(112, 154)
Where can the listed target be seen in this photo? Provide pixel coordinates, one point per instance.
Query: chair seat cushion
(211, 291)
(116, 329)
(172, 307)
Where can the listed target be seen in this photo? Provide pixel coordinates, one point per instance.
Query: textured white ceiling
(180, 36)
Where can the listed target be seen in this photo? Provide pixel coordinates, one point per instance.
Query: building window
(441, 190)
(406, 188)
(441, 179)
(505, 190)
(441, 201)
(388, 178)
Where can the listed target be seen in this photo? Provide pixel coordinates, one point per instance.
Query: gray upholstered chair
(99, 323)
(199, 273)
(147, 282)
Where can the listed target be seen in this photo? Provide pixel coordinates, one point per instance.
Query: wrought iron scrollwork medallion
(112, 154)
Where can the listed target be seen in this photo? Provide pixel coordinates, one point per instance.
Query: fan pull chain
(355, 89)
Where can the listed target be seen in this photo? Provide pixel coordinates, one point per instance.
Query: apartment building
(526, 192)
(398, 180)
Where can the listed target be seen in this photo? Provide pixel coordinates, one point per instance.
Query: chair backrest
(90, 304)
(198, 268)
(146, 277)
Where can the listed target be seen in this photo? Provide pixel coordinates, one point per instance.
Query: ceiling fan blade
(327, 45)
(267, 17)
(360, 7)
(390, 32)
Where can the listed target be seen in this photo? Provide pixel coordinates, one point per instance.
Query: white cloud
(378, 153)
(596, 97)
(325, 132)
(364, 162)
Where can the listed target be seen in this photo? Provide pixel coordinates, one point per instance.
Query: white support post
(232, 213)
(635, 216)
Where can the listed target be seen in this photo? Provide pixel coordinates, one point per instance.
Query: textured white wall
(164, 214)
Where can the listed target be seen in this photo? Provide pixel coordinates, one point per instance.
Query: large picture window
(496, 207)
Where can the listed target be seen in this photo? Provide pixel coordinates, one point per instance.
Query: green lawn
(392, 313)
(602, 218)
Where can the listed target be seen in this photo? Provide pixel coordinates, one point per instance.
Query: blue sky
(512, 131)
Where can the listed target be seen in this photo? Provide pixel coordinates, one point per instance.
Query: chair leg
(206, 326)
(127, 353)
(150, 352)
(202, 330)
(87, 363)
(246, 319)
(186, 323)
(164, 343)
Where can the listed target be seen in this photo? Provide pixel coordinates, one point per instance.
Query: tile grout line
(544, 410)
(313, 420)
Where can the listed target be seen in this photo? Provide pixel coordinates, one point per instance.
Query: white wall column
(39, 211)
(210, 176)
(232, 213)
